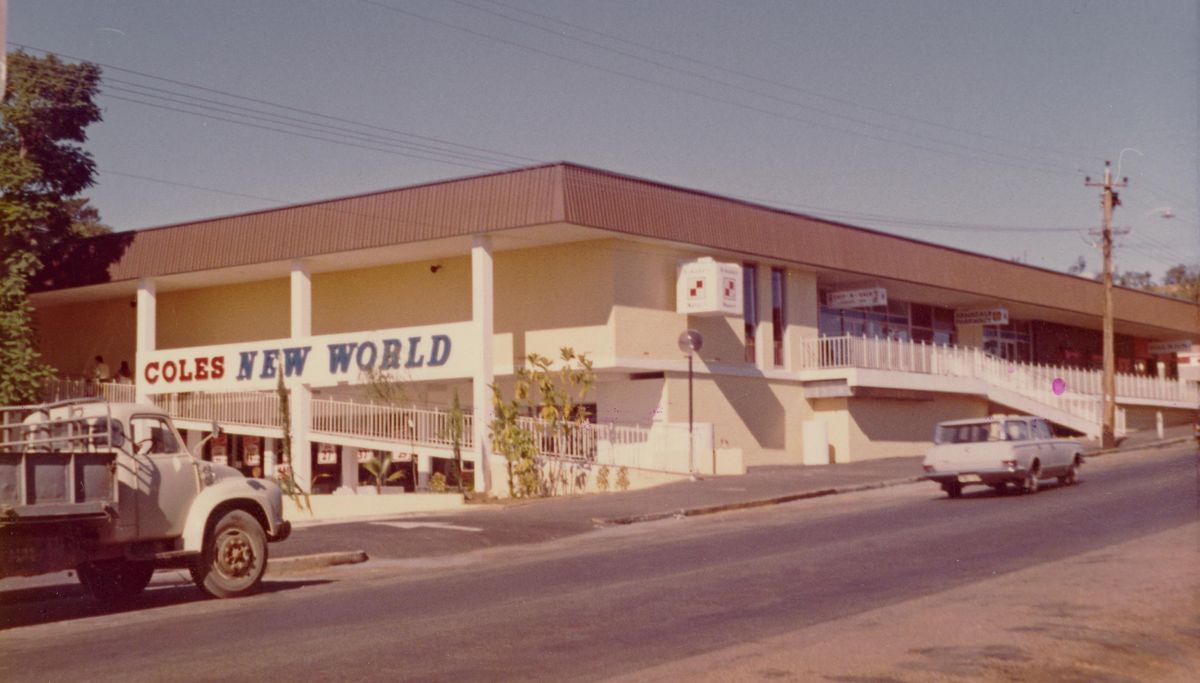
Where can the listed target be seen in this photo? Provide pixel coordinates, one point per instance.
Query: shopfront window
(1010, 342)
(899, 320)
(750, 307)
(778, 318)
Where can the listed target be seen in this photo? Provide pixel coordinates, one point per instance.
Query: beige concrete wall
(550, 297)
(1144, 417)
(248, 311)
(647, 326)
(761, 417)
(70, 335)
(969, 335)
(834, 413)
(884, 428)
(397, 295)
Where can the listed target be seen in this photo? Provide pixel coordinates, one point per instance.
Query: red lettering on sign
(201, 368)
(218, 367)
(151, 373)
(169, 371)
(184, 375)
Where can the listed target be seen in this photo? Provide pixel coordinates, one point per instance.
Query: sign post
(690, 342)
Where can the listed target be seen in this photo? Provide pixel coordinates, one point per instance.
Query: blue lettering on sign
(369, 362)
(391, 355)
(246, 368)
(414, 361)
(294, 360)
(268, 368)
(339, 357)
(440, 352)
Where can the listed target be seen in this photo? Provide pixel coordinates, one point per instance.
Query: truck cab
(109, 489)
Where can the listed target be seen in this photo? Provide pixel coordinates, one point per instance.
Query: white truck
(109, 490)
(995, 451)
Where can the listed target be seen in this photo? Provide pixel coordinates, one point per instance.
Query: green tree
(46, 106)
(1182, 281)
(553, 394)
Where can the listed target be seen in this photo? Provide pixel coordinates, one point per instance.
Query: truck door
(167, 479)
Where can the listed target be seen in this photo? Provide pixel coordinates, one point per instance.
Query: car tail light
(1010, 464)
(928, 468)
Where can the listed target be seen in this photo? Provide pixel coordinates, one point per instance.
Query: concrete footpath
(316, 545)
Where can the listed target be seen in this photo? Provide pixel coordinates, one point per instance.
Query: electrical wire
(1028, 165)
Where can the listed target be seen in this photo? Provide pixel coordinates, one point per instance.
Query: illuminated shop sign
(982, 316)
(413, 354)
(857, 298)
(705, 287)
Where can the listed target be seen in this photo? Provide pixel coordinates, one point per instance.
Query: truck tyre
(114, 581)
(234, 557)
(952, 489)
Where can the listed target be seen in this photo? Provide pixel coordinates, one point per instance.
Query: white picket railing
(60, 389)
(409, 425)
(246, 408)
(1030, 379)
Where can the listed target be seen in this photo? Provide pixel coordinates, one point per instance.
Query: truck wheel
(234, 558)
(114, 581)
(952, 489)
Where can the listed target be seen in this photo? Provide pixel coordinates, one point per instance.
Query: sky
(971, 124)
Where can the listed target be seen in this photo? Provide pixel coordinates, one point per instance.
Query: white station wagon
(996, 450)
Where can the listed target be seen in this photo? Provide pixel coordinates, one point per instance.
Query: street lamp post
(691, 342)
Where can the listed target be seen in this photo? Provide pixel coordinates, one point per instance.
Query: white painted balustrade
(1030, 379)
(418, 426)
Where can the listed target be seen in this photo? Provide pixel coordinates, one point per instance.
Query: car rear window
(974, 432)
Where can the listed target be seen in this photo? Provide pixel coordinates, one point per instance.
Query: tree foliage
(555, 395)
(46, 107)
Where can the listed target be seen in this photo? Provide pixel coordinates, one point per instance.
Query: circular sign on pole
(690, 342)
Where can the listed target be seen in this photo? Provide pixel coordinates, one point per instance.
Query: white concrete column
(270, 448)
(349, 469)
(301, 395)
(483, 317)
(424, 470)
(301, 320)
(300, 402)
(146, 336)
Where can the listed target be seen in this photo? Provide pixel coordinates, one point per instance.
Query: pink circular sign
(1059, 386)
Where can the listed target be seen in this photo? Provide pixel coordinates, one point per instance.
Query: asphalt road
(612, 602)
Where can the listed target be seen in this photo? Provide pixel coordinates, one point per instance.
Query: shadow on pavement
(47, 606)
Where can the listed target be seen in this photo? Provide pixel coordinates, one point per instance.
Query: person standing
(101, 372)
(124, 374)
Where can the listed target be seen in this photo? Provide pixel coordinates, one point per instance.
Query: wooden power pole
(1108, 200)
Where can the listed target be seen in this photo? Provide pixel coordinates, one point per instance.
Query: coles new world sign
(411, 354)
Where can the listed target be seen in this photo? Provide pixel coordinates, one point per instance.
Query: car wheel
(1000, 488)
(953, 489)
(1071, 477)
(115, 581)
(1030, 483)
(234, 558)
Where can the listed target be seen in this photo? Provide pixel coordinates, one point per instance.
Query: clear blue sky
(924, 118)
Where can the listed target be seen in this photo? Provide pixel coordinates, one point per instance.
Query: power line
(743, 74)
(289, 121)
(294, 133)
(285, 107)
(1036, 166)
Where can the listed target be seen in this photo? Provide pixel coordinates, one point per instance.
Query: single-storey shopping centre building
(822, 342)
